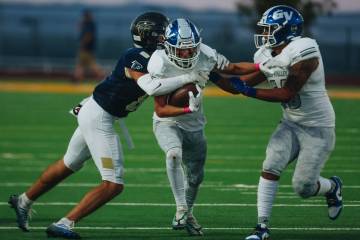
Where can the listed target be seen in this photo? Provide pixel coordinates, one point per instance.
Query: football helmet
(148, 30)
(278, 25)
(182, 43)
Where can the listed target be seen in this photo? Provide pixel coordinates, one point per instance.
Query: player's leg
(73, 160)
(316, 146)
(97, 127)
(194, 156)
(169, 139)
(282, 149)
(81, 64)
(96, 69)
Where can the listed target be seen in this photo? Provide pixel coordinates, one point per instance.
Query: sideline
(69, 88)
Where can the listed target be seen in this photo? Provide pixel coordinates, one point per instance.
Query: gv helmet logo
(281, 14)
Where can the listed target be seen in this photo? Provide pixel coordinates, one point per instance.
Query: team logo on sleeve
(136, 65)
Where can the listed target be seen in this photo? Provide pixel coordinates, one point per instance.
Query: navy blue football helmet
(148, 30)
(182, 43)
(278, 25)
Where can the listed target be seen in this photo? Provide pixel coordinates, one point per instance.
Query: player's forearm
(274, 95)
(154, 86)
(253, 79)
(169, 111)
(241, 68)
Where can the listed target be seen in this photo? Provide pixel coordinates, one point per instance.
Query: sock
(191, 193)
(24, 201)
(265, 197)
(67, 222)
(326, 185)
(175, 174)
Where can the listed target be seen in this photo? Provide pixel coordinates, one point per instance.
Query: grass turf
(35, 129)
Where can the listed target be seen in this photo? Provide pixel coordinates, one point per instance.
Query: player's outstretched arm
(240, 68)
(155, 86)
(225, 84)
(298, 76)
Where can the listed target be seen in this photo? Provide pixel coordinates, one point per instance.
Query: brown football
(180, 97)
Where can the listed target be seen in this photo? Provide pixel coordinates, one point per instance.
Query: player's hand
(198, 77)
(203, 78)
(221, 62)
(194, 102)
(266, 69)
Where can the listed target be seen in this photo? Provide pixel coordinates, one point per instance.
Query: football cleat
(193, 227)
(179, 222)
(22, 214)
(261, 232)
(334, 199)
(61, 231)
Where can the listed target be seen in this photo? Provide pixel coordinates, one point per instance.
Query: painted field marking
(172, 204)
(159, 185)
(206, 228)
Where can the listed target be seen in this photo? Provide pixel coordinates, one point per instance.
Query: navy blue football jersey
(117, 94)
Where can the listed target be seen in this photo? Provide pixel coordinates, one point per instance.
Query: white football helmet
(182, 43)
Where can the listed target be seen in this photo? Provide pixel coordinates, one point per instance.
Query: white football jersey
(311, 106)
(160, 66)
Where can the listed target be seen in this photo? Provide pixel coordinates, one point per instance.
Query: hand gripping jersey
(118, 94)
(311, 105)
(161, 67)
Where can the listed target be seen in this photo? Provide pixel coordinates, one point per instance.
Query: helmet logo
(144, 26)
(282, 14)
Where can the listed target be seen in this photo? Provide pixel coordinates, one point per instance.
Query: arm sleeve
(155, 86)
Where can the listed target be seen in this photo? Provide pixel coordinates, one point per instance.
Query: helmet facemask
(185, 55)
(267, 35)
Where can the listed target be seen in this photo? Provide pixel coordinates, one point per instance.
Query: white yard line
(218, 228)
(172, 204)
(162, 170)
(230, 187)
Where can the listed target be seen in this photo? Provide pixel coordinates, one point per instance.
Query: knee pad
(173, 158)
(304, 189)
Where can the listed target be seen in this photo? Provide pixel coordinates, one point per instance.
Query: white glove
(221, 61)
(265, 69)
(194, 102)
(202, 78)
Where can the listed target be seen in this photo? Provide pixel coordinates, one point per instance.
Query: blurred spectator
(86, 55)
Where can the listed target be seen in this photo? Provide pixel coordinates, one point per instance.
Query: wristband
(257, 66)
(241, 87)
(187, 110)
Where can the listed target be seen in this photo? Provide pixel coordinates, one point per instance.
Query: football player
(180, 130)
(95, 136)
(306, 132)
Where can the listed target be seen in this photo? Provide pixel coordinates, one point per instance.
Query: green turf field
(35, 129)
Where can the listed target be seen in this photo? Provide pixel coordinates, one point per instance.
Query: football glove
(221, 61)
(194, 102)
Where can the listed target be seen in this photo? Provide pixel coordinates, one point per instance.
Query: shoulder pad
(208, 51)
(156, 63)
(262, 55)
(302, 49)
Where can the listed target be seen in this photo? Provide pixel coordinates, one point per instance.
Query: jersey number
(131, 107)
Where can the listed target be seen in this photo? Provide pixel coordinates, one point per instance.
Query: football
(180, 97)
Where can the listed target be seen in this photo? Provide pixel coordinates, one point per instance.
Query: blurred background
(41, 37)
